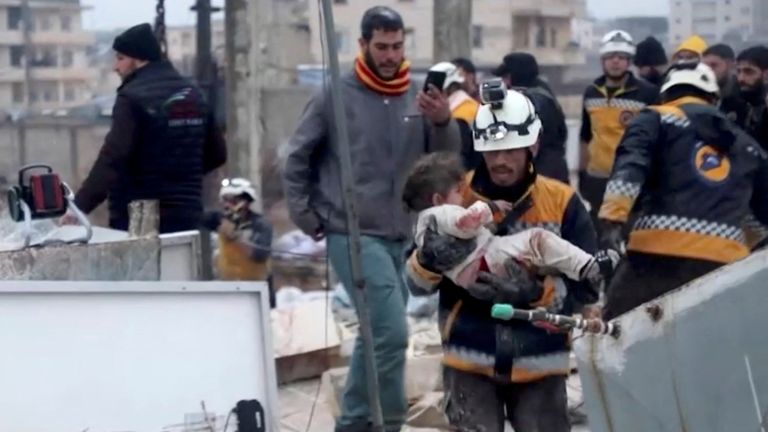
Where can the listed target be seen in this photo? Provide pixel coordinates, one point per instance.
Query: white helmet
(617, 41)
(452, 74)
(694, 74)
(238, 186)
(515, 124)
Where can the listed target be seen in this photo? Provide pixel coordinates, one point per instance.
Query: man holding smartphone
(386, 136)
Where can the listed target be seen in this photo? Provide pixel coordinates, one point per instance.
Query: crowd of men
(673, 175)
(672, 167)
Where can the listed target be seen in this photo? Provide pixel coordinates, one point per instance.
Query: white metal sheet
(131, 356)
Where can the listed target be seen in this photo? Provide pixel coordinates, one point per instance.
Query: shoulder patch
(710, 164)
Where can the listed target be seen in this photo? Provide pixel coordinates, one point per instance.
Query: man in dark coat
(161, 144)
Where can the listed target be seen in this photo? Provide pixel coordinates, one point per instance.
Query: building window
(14, 18)
(342, 41)
(477, 36)
(17, 55)
(66, 23)
(69, 94)
(48, 95)
(410, 39)
(45, 57)
(340, 1)
(18, 92)
(33, 96)
(45, 23)
(67, 58)
(552, 38)
(541, 36)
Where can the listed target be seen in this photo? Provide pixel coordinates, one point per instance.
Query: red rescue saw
(41, 194)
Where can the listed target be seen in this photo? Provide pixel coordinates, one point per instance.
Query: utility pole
(249, 49)
(26, 23)
(203, 56)
(452, 25)
(353, 227)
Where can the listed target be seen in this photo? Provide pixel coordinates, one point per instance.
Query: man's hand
(441, 252)
(228, 229)
(434, 105)
(593, 311)
(518, 287)
(599, 271)
(611, 236)
(69, 218)
(319, 234)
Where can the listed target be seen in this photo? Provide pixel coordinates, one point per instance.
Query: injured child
(434, 189)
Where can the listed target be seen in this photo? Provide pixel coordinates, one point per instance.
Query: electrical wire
(327, 259)
(226, 422)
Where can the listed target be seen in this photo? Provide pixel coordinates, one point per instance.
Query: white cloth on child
(536, 247)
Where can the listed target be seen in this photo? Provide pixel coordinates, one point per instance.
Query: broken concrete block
(306, 341)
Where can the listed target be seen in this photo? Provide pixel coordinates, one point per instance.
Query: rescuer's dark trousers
(475, 403)
(643, 277)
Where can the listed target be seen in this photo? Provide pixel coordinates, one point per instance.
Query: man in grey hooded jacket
(391, 124)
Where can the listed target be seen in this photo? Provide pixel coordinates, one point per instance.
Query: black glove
(519, 287)
(599, 271)
(442, 252)
(612, 236)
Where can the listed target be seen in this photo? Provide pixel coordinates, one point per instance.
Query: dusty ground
(296, 402)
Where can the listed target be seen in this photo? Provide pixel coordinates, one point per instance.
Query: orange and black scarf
(394, 87)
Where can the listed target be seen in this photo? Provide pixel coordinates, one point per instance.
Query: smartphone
(435, 78)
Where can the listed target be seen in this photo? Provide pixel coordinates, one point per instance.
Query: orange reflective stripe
(463, 365)
(616, 208)
(687, 245)
(522, 375)
(450, 320)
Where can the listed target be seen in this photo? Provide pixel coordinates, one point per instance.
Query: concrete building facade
(541, 27)
(43, 65)
(714, 20)
(182, 45)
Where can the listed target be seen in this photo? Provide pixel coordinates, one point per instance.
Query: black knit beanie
(522, 68)
(138, 42)
(650, 53)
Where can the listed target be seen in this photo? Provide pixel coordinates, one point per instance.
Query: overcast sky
(110, 14)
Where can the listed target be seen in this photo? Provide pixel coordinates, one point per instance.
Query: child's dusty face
(452, 197)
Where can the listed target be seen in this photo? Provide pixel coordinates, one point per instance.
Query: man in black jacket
(520, 71)
(161, 144)
(751, 114)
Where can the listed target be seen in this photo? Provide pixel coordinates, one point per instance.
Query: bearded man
(391, 123)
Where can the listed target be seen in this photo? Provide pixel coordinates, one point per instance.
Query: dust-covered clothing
(470, 335)
(474, 403)
(534, 247)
